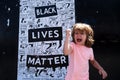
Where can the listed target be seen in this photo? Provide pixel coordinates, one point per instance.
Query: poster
(42, 26)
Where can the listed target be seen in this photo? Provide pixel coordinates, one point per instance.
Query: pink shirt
(78, 68)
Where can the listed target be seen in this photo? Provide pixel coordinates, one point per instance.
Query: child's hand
(103, 73)
(68, 33)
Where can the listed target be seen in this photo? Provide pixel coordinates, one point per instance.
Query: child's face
(80, 37)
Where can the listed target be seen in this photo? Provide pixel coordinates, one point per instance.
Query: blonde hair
(88, 30)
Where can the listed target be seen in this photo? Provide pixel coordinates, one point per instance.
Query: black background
(103, 15)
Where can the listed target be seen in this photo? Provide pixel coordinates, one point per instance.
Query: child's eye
(76, 33)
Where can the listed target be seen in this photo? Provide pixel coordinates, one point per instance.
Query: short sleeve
(91, 54)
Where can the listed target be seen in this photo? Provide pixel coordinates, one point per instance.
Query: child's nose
(79, 36)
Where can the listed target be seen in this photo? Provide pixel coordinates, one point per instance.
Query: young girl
(80, 53)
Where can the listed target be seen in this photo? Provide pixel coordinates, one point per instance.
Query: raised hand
(68, 33)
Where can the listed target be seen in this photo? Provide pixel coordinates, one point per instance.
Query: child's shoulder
(90, 48)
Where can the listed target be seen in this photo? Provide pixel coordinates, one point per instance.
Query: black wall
(9, 10)
(104, 17)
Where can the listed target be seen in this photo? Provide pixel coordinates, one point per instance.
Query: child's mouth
(79, 40)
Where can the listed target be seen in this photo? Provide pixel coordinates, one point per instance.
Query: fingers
(103, 73)
(68, 32)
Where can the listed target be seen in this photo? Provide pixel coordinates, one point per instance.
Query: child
(80, 53)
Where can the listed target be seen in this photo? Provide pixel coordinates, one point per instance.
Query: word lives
(45, 11)
(45, 34)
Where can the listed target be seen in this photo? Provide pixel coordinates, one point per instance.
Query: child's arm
(66, 48)
(99, 68)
